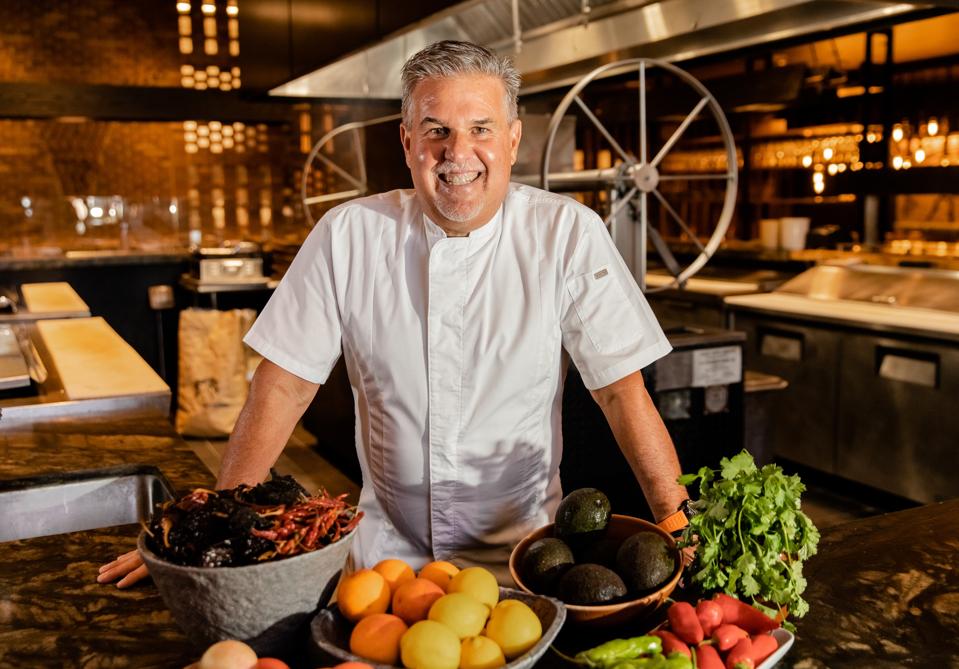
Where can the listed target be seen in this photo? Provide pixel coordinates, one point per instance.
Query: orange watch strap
(674, 522)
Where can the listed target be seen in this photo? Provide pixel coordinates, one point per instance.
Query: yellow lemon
(514, 627)
(430, 645)
(478, 583)
(461, 613)
(480, 652)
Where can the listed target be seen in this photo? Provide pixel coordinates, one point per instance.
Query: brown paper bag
(213, 361)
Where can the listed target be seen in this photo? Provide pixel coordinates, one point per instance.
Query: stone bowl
(264, 605)
(330, 632)
(614, 613)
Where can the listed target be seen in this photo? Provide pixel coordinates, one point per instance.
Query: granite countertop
(883, 591)
(53, 613)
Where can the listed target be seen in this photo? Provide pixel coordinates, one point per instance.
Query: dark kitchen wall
(113, 98)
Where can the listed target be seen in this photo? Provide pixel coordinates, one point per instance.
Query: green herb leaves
(751, 534)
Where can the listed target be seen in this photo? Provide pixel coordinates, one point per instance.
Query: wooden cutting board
(92, 360)
(53, 297)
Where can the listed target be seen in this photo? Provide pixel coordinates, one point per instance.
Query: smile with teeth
(459, 178)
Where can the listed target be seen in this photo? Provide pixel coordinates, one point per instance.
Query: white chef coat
(455, 352)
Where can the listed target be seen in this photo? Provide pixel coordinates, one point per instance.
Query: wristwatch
(677, 521)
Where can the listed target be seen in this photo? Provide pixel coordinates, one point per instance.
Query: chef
(458, 306)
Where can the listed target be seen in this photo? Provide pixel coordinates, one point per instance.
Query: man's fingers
(120, 560)
(136, 575)
(123, 566)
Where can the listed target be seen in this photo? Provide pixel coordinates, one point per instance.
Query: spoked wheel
(318, 163)
(638, 177)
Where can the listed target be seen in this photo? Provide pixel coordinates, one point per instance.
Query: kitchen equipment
(78, 501)
(619, 529)
(331, 632)
(871, 356)
(231, 262)
(769, 233)
(792, 232)
(14, 372)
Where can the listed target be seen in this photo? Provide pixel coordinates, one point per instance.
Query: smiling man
(458, 306)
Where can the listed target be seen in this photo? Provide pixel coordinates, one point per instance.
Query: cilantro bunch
(750, 533)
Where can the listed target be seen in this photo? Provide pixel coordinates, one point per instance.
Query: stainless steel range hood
(561, 40)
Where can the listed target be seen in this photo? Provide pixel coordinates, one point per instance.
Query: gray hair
(450, 58)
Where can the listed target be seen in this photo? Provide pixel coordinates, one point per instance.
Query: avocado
(602, 551)
(645, 561)
(582, 516)
(590, 584)
(544, 562)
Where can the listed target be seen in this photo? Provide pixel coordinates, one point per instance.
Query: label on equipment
(716, 366)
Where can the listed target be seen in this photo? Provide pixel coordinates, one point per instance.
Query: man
(456, 305)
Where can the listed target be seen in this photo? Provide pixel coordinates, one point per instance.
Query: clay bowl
(265, 605)
(619, 528)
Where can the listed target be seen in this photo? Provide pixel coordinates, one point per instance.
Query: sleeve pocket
(607, 316)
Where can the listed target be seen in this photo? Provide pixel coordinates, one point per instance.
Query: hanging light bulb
(827, 153)
(932, 127)
(897, 132)
(806, 161)
(897, 162)
(920, 155)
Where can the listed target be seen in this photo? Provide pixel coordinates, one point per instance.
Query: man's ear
(405, 139)
(515, 135)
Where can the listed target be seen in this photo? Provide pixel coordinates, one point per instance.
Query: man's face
(460, 147)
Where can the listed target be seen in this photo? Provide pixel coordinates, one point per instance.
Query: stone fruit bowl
(614, 613)
(263, 605)
(331, 632)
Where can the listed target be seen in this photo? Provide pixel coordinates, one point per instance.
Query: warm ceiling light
(897, 162)
(920, 155)
(932, 127)
(897, 133)
(833, 168)
(232, 10)
(806, 161)
(827, 153)
(183, 7)
(208, 8)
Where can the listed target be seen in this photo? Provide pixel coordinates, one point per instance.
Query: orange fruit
(353, 665)
(413, 599)
(440, 572)
(396, 572)
(362, 594)
(377, 638)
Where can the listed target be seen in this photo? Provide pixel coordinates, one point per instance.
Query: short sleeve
(607, 325)
(299, 329)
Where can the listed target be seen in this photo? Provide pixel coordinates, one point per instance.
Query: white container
(769, 233)
(792, 232)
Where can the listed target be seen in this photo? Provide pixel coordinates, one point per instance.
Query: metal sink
(82, 500)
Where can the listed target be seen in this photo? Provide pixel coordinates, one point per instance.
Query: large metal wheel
(638, 177)
(315, 159)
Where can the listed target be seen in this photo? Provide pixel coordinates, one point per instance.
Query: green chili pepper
(676, 660)
(651, 662)
(612, 652)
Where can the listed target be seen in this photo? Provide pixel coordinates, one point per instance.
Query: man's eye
(436, 132)
(480, 130)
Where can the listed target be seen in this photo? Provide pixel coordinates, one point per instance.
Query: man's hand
(129, 568)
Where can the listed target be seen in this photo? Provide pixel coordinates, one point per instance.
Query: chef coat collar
(434, 233)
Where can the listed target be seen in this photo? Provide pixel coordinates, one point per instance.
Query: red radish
(741, 656)
(744, 615)
(764, 645)
(672, 643)
(710, 615)
(726, 636)
(684, 623)
(707, 657)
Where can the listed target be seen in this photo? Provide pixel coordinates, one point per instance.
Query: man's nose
(458, 147)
